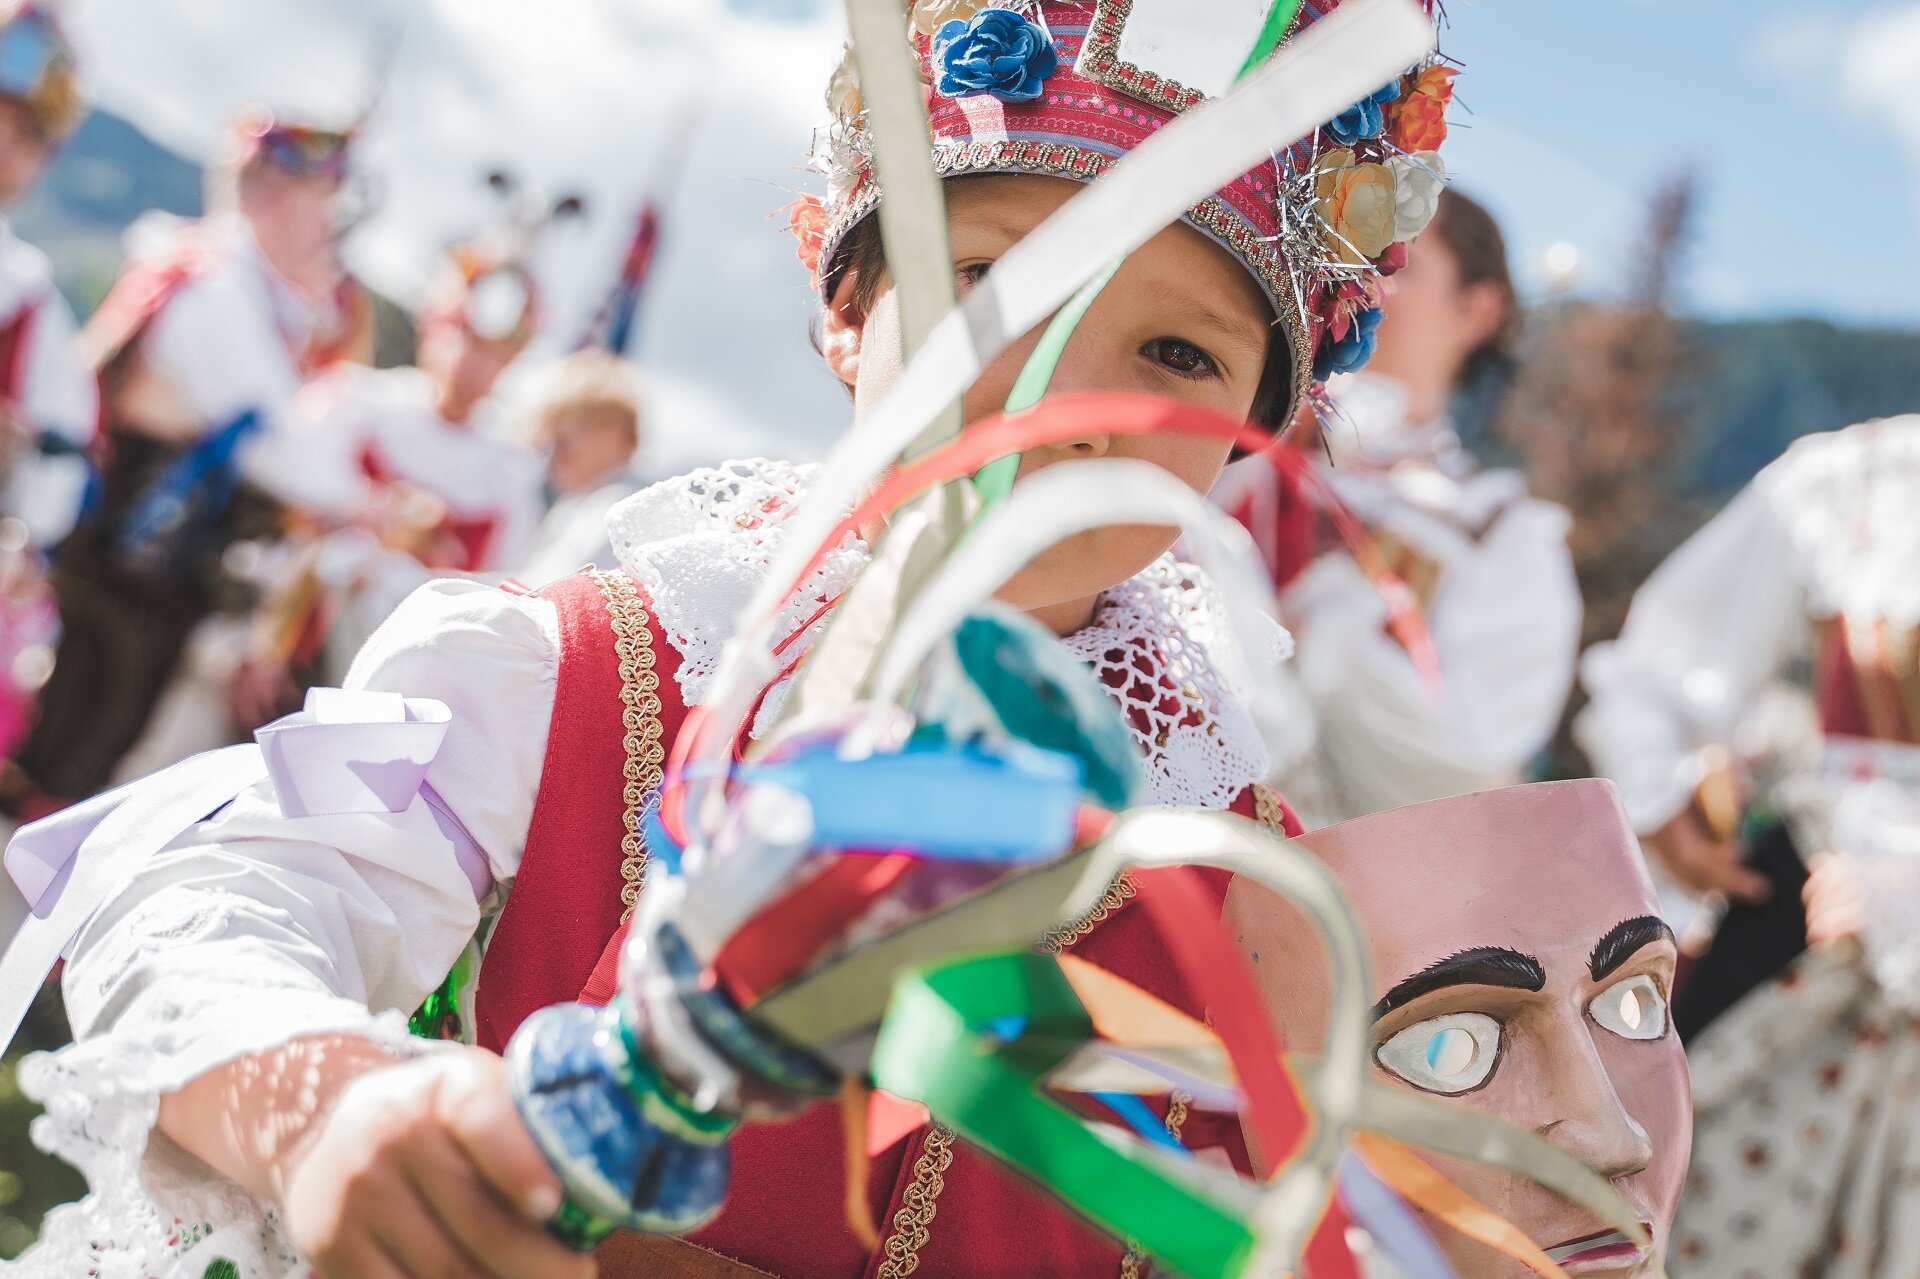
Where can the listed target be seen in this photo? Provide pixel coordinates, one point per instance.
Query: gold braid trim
(640, 715)
(1267, 809)
(1134, 1264)
(1118, 894)
(910, 1227)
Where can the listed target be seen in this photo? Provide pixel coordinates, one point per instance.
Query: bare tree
(1597, 414)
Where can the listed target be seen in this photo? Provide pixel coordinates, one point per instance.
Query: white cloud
(1879, 72)
(1881, 68)
(582, 96)
(1799, 46)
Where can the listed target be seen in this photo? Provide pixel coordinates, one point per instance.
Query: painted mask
(1520, 968)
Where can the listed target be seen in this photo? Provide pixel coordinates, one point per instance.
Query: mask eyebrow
(1481, 966)
(1623, 941)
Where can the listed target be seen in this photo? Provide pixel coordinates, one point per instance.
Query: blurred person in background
(1432, 600)
(589, 428)
(48, 398)
(47, 392)
(200, 346)
(1800, 1015)
(419, 473)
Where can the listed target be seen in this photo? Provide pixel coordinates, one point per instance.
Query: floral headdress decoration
(298, 148)
(1064, 88)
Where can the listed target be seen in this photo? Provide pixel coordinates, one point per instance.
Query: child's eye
(1183, 358)
(1631, 1009)
(971, 274)
(1450, 1054)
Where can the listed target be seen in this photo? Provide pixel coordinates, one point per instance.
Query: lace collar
(701, 544)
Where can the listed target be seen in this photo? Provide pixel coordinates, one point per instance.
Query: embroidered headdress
(1067, 88)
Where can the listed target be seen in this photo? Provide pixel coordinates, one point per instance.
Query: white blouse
(1504, 617)
(1830, 529)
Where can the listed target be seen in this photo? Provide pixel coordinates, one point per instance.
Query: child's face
(464, 366)
(1182, 319)
(584, 445)
(292, 217)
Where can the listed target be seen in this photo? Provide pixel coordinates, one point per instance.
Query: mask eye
(1631, 1009)
(1448, 1054)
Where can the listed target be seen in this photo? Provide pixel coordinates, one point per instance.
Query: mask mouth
(1602, 1248)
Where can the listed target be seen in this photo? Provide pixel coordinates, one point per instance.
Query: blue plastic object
(623, 1143)
(1008, 802)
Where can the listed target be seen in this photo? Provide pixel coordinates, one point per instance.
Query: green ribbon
(972, 1040)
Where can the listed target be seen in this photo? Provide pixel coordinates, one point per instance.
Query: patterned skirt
(1806, 1151)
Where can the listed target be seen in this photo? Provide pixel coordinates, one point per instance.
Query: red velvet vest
(943, 1209)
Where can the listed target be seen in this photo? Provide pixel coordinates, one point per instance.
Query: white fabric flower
(1418, 181)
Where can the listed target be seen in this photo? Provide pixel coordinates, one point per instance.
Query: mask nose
(1588, 1119)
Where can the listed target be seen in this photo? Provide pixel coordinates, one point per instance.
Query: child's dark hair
(862, 254)
(1480, 250)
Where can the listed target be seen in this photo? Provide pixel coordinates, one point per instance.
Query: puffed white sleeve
(1506, 631)
(1383, 734)
(1875, 829)
(255, 928)
(1708, 630)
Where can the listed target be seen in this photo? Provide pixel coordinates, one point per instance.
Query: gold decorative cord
(1267, 808)
(640, 715)
(1134, 1264)
(912, 1222)
(1118, 894)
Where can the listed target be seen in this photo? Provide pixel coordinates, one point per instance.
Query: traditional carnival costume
(1381, 520)
(47, 393)
(1808, 1087)
(262, 924)
(444, 496)
(200, 347)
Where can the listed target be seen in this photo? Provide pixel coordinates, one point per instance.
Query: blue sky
(1800, 121)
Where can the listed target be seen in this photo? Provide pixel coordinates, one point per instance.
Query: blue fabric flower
(1351, 353)
(996, 51)
(1365, 118)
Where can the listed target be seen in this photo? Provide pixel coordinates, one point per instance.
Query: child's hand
(424, 1170)
(418, 1169)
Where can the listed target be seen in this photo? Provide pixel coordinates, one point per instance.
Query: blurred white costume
(1487, 566)
(1808, 1089)
(47, 390)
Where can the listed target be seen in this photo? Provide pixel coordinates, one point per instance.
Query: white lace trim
(155, 1212)
(1160, 646)
(701, 544)
(1851, 500)
(1160, 642)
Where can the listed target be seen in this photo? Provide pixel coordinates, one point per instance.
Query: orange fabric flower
(1420, 116)
(807, 219)
(1357, 201)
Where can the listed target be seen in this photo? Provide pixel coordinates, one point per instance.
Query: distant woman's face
(1183, 319)
(1434, 322)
